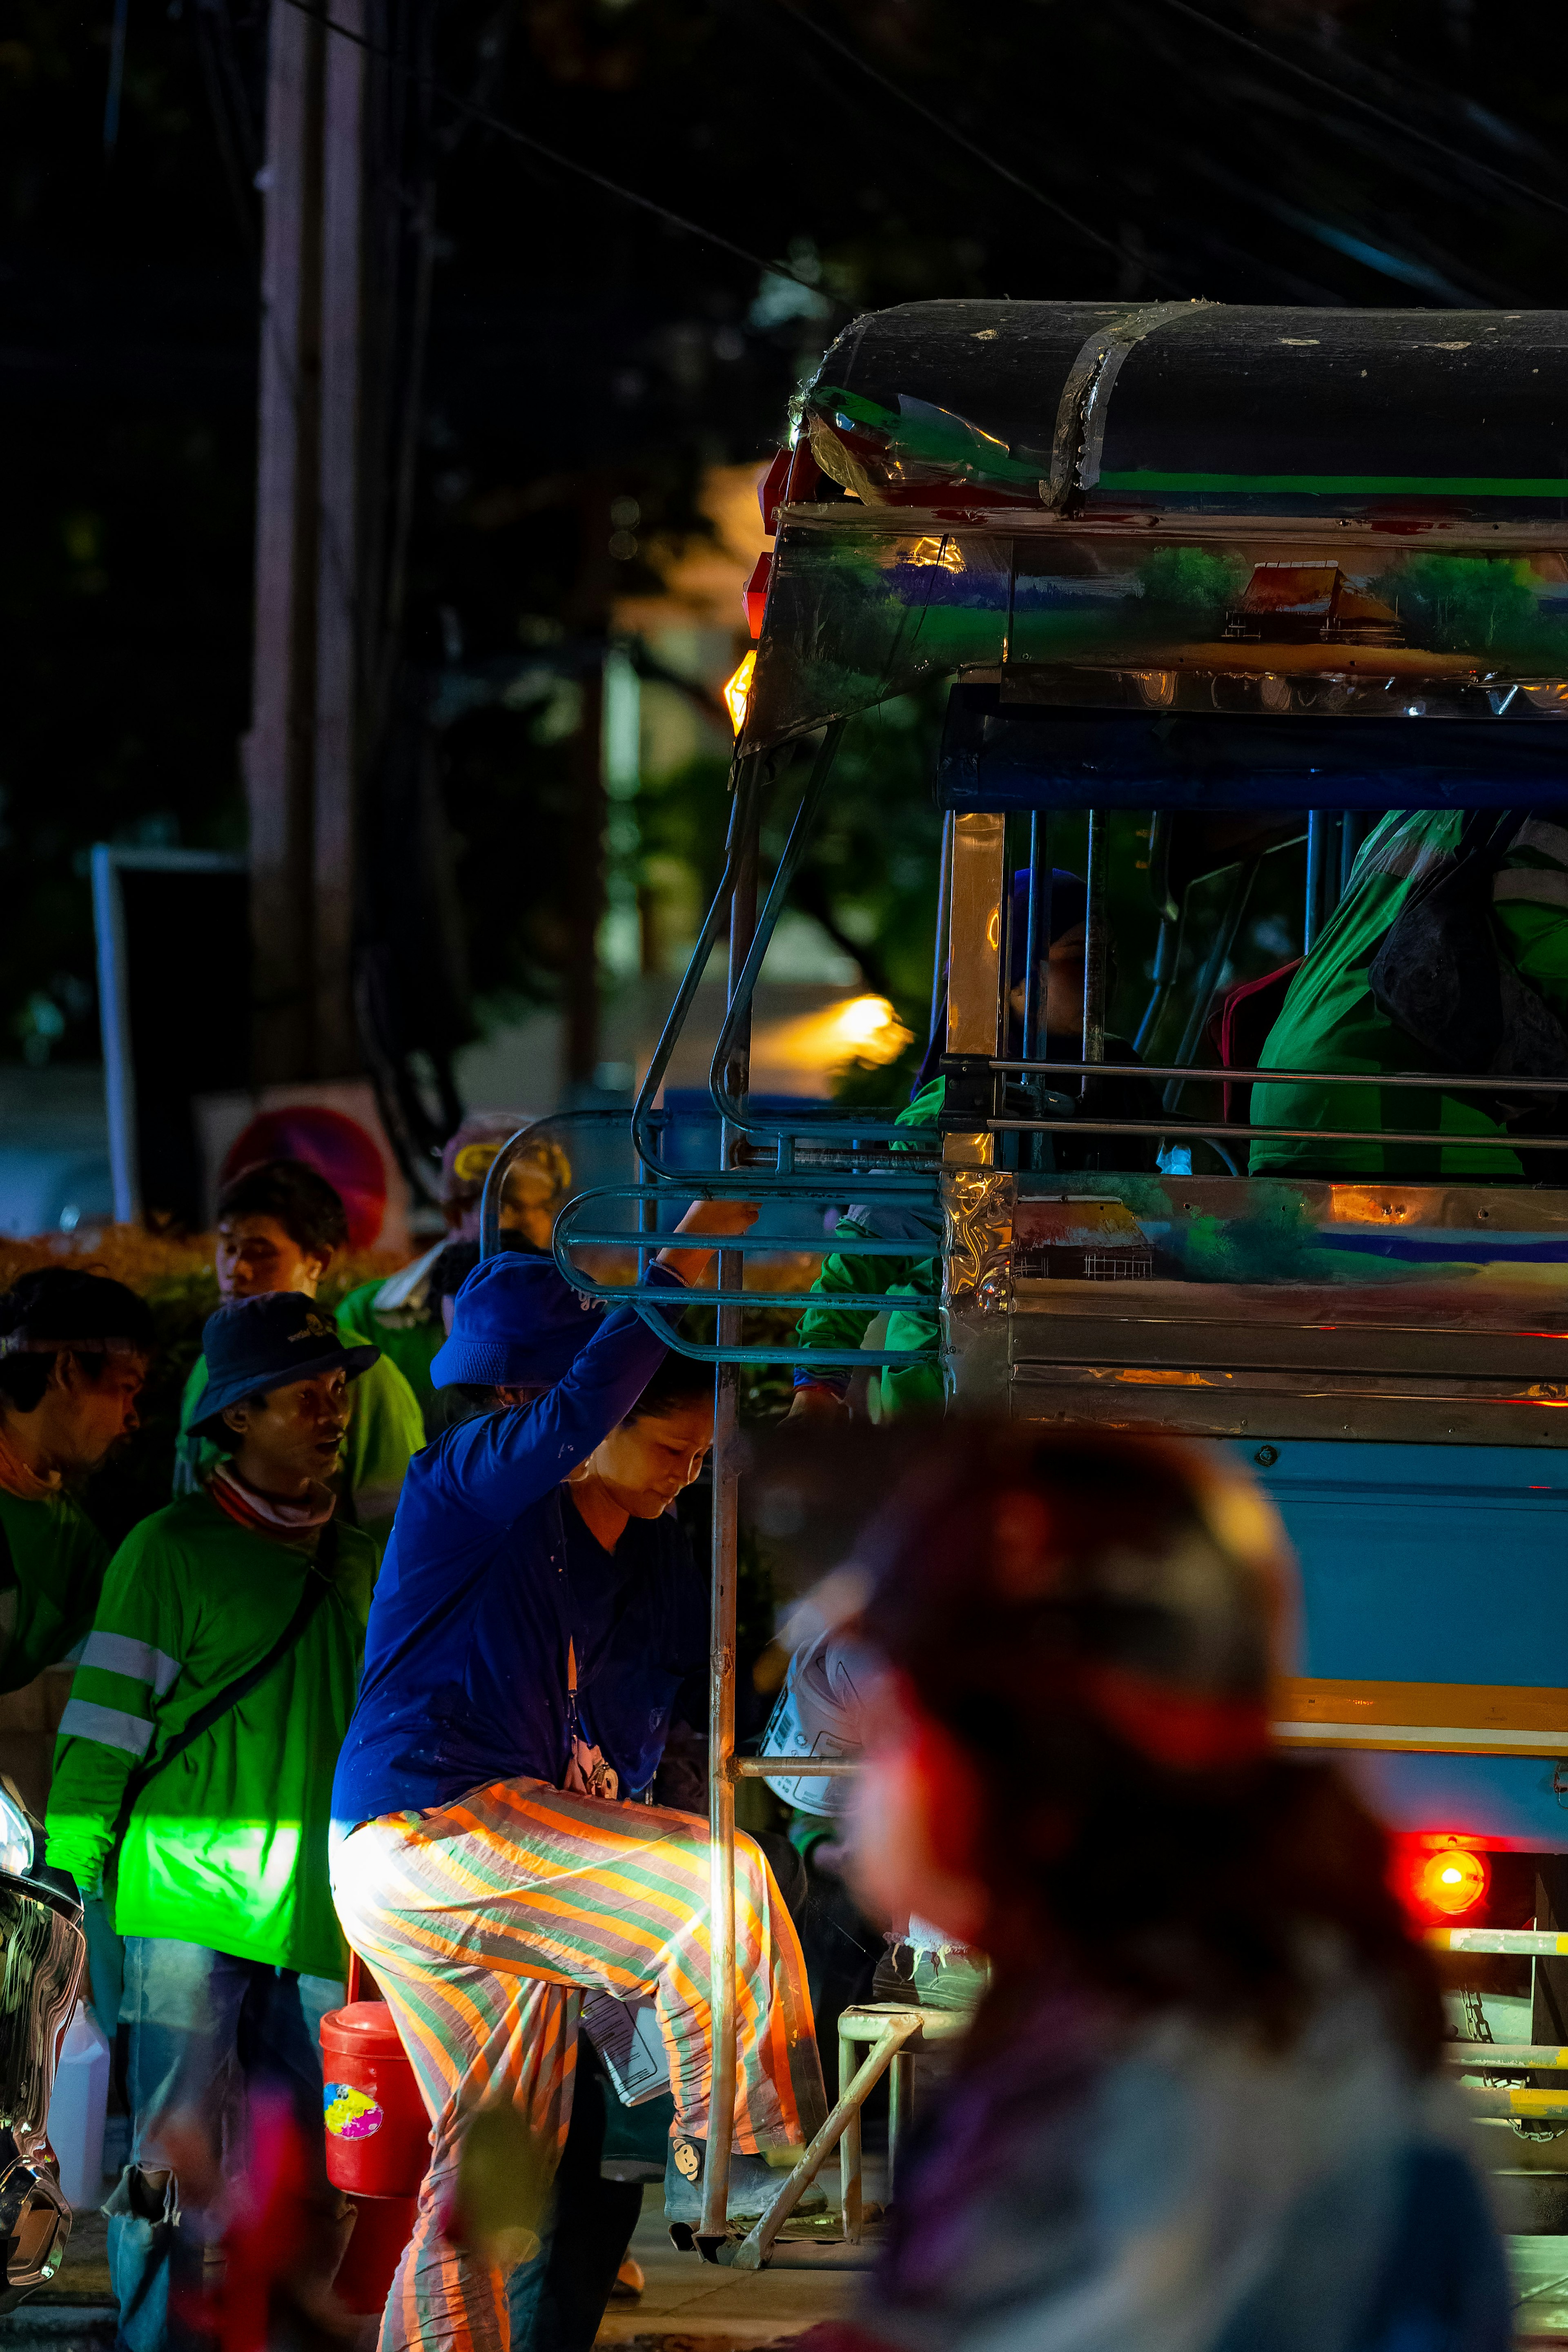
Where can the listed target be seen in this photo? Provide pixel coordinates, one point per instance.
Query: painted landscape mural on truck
(857, 613)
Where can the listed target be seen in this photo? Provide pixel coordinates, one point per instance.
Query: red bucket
(378, 2134)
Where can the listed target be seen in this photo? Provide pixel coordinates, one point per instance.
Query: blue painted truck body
(1435, 1564)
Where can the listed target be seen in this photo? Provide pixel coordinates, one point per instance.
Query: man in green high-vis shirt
(1331, 1019)
(279, 1226)
(194, 1775)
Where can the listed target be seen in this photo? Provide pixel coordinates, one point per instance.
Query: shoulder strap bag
(318, 1584)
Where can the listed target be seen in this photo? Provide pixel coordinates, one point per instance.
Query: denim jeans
(554, 2303)
(204, 2029)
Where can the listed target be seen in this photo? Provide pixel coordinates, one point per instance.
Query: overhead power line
(1364, 105)
(509, 130)
(955, 138)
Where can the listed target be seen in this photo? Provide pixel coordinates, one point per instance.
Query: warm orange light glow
(738, 692)
(858, 1029)
(1450, 1882)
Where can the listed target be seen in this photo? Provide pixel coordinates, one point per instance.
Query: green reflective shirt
(410, 1336)
(385, 1430)
(227, 1848)
(52, 1560)
(1329, 1020)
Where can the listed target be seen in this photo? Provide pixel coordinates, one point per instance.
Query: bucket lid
(366, 2026)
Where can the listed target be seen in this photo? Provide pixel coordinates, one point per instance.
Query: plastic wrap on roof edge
(1181, 507)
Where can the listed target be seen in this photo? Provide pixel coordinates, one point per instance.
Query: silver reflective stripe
(109, 1725)
(1552, 840)
(1402, 856)
(117, 1654)
(1532, 882)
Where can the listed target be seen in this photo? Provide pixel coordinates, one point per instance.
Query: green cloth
(1328, 1020)
(410, 1339)
(904, 1388)
(228, 1849)
(385, 1430)
(56, 1562)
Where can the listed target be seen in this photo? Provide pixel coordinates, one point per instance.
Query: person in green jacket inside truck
(74, 1351)
(279, 1226)
(1332, 1019)
(194, 1776)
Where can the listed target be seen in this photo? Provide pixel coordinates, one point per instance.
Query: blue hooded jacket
(465, 1661)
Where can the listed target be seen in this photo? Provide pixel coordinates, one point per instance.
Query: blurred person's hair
(1073, 1610)
(542, 1169)
(84, 1312)
(307, 1207)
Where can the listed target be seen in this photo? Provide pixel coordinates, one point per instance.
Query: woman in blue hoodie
(487, 1869)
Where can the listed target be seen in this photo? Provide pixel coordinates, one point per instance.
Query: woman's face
(1061, 977)
(643, 1464)
(915, 1819)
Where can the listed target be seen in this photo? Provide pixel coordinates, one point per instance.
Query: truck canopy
(1205, 519)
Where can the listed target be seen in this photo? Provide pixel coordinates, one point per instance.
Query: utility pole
(301, 755)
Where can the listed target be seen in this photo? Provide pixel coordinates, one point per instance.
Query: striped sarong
(458, 1910)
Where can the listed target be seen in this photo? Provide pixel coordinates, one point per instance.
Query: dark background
(582, 351)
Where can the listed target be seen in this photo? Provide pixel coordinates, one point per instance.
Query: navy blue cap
(254, 1345)
(516, 1323)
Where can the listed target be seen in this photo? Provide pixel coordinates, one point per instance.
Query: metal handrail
(1498, 1082)
(675, 1020)
(653, 1305)
(731, 1108)
(1499, 1140)
(510, 1151)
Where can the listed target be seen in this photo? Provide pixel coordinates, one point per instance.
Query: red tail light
(1440, 1880)
(772, 489)
(794, 474)
(755, 596)
(1453, 1882)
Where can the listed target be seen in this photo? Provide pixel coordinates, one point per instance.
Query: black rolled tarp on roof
(1210, 405)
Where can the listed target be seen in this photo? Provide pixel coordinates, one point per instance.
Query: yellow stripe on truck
(1441, 1718)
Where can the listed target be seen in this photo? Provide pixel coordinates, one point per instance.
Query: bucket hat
(254, 1345)
(516, 1323)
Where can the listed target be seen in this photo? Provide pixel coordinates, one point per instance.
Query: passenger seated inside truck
(907, 1284)
(1449, 953)
(1113, 1097)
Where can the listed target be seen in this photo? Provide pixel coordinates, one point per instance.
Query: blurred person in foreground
(192, 1778)
(75, 1349)
(403, 1314)
(279, 1226)
(1198, 2110)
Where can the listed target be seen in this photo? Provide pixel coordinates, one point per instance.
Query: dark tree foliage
(583, 351)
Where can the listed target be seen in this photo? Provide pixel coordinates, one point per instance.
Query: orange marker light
(1451, 1881)
(738, 692)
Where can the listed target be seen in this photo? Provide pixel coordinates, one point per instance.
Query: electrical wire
(1364, 105)
(505, 130)
(950, 132)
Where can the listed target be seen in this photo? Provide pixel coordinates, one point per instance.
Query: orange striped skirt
(467, 1913)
